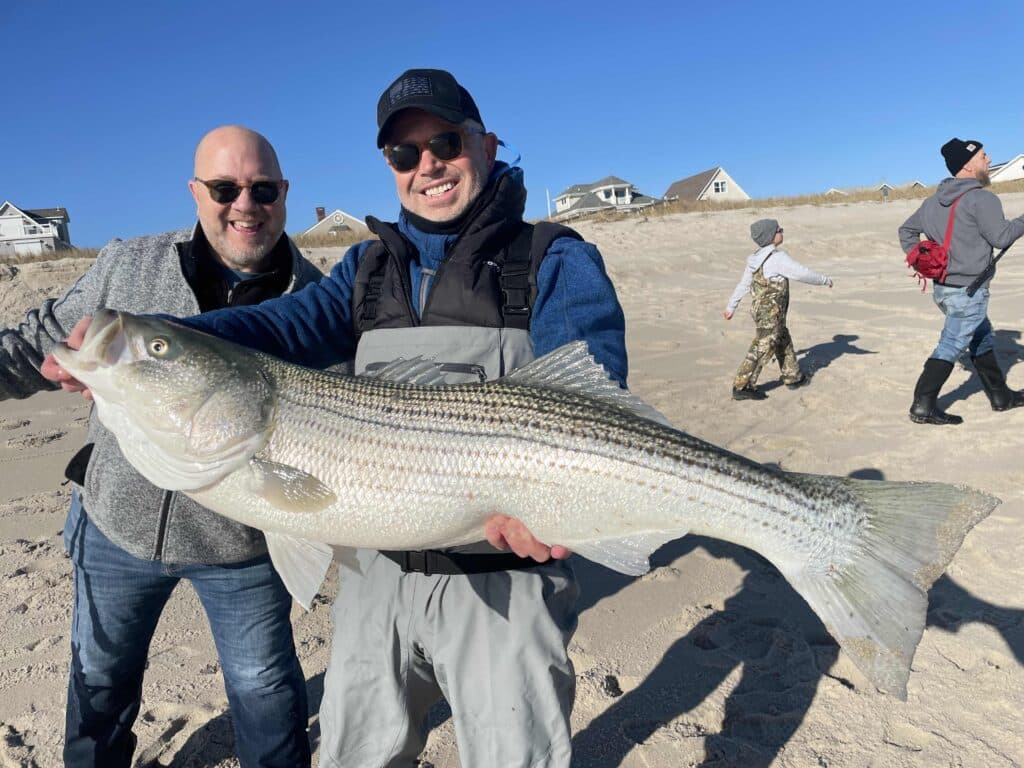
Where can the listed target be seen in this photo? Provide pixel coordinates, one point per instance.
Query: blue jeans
(967, 325)
(118, 601)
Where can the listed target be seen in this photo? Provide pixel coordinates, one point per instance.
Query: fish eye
(158, 346)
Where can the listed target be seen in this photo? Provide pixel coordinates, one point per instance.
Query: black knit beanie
(959, 153)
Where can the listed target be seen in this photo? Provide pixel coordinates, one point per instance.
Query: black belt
(430, 561)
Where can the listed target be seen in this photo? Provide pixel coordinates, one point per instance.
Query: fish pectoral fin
(301, 564)
(347, 556)
(626, 554)
(288, 488)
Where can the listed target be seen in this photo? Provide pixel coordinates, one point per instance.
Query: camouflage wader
(770, 304)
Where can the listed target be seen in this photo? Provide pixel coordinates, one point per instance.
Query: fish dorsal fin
(417, 370)
(571, 368)
(288, 488)
(301, 564)
(627, 554)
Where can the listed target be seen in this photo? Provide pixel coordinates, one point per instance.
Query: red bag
(929, 259)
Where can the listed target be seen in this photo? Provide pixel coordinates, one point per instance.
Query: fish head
(187, 408)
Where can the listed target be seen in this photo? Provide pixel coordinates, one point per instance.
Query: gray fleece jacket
(144, 275)
(979, 227)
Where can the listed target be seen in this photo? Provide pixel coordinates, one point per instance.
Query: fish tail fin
(872, 594)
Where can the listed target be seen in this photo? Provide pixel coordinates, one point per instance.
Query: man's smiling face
(242, 233)
(439, 190)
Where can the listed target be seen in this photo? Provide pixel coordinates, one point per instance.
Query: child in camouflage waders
(767, 275)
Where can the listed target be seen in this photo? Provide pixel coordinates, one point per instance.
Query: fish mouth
(103, 344)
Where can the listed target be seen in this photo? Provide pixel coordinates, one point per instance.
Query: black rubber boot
(993, 381)
(803, 381)
(749, 393)
(925, 410)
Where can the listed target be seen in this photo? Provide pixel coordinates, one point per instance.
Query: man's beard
(250, 258)
(983, 178)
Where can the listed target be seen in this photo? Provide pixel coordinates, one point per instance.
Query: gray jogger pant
(493, 644)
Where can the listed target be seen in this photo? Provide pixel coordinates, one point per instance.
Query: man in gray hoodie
(978, 226)
(130, 543)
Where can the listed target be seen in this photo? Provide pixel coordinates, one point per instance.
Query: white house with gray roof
(609, 194)
(713, 184)
(31, 231)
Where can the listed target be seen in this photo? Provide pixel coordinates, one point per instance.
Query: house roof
(691, 187)
(46, 213)
(337, 220)
(39, 215)
(608, 181)
(575, 189)
(875, 188)
(589, 201)
(582, 189)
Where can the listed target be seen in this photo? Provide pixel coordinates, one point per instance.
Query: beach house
(609, 194)
(713, 185)
(334, 224)
(27, 232)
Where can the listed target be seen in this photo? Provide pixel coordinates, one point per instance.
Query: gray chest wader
(771, 339)
(470, 352)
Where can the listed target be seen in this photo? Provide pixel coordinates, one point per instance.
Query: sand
(711, 659)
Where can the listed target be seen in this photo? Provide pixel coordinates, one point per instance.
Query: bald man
(131, 543)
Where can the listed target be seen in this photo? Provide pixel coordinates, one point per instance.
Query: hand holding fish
(504, 532)
(53, 371)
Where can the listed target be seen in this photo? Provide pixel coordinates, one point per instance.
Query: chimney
(320, 213)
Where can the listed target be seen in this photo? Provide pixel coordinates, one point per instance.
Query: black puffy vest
(488, 278)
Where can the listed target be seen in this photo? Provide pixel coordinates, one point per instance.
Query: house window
(719, 187)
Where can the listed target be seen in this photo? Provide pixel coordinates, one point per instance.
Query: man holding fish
(460, 279)
(131, 542)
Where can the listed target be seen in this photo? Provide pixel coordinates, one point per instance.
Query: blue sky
(105, 101)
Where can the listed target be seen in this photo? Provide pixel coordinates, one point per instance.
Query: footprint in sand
(13, 423)
(181, 734)
(15, 752)
(35, 441)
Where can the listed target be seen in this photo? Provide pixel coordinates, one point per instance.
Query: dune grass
(62, 253)
(706, 206)
(340, 240)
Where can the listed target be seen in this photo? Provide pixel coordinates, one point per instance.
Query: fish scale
(317, 460)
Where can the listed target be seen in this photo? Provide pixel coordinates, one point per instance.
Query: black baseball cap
(432, 90)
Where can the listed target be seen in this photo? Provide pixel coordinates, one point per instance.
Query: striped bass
(317, 460)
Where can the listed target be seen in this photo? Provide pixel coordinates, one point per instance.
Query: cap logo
(972, 147)
(409, 87)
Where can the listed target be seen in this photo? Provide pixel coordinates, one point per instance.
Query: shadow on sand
(765, 626)
(820, 356)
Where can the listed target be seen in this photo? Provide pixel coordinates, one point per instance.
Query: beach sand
(711, 659)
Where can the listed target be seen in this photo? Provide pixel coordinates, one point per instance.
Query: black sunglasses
(263, 192)
(445, 146)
